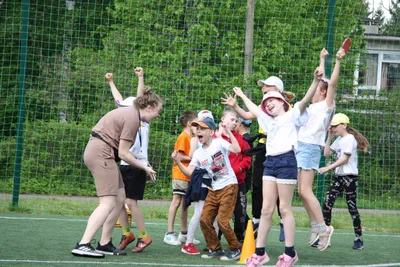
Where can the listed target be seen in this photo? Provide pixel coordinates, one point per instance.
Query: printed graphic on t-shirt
(218, 164)
(204, 163)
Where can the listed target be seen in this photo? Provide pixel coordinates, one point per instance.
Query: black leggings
(257, 197)
(347, 184)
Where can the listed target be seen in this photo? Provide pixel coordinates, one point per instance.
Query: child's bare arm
(139, 72)
(342, 160)
(116, 94)
(322, 57)
(327, 148)
(311, 91)
(231, 101)
(253, 108)
(330, 95)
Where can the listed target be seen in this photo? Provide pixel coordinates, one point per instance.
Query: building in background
(379, 68)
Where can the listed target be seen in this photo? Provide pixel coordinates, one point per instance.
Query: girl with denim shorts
(280, 172)
(271, 84)
(346, 170)
(311, 138)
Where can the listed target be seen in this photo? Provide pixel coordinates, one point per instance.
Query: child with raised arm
(180, 183)
(134, 178)
(213, 157)
(346, 170)
(271, 84)
(280, 172)
(311, 139)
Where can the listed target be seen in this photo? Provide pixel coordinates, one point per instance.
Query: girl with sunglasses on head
(311, 139)
(346, 170)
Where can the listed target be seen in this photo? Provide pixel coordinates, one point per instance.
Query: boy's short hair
(186, 117)
(229, 110)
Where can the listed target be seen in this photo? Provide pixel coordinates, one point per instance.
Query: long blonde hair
(362, 142)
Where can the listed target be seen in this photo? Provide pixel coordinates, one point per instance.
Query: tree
(392, 27)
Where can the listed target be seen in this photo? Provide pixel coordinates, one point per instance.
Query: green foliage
(52, 160)
(192, 52)
(392, 27)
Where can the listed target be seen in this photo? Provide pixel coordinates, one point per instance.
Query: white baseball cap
(204, 114)
(127, 102)
(272, 81)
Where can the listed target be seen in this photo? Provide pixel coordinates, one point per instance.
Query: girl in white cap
(311, 139)
(280, 172)
(346, 170)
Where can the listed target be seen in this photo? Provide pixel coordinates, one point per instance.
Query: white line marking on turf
(154, 223)
(183, 265)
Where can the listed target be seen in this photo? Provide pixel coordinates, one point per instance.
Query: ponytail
(289, 96)
(362, 142)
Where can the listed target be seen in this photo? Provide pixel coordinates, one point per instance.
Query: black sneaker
(86, 250)
(110, 249)
(358, 243)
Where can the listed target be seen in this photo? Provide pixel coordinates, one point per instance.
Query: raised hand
(229, 100)
(109, 76)
(139, 71)
(318, 74)
(340, 54)
(238, 91)
(330, 132)
(324, 53)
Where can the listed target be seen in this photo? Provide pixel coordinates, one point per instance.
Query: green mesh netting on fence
(54, 55)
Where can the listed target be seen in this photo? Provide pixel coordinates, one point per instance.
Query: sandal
(314, 236)
(325, 238)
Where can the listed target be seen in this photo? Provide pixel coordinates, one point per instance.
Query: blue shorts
(281, 169)
(308, 156)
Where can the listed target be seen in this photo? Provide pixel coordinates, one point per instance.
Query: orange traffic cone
(249, 246)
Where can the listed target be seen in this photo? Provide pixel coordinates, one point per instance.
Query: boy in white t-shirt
(213, 156)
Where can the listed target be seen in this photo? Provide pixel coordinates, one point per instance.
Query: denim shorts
(281, 169)
(308, 156)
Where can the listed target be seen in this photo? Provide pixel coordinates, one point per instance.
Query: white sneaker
(171, 239)
(182, 239)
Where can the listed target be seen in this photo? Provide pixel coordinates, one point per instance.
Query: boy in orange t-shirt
(180, 182)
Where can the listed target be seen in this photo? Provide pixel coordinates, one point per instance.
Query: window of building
(379, 71)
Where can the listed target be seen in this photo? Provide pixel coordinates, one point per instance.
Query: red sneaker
(190, 249)
(142, 244)
(126, 240)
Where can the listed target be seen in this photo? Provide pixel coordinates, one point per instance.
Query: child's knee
(267, 211)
